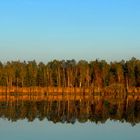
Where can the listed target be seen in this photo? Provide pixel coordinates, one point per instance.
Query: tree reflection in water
(69, 109)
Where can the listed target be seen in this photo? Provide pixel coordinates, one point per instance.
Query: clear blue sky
(67, 29)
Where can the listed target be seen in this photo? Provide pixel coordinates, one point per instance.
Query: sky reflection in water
(24, 130)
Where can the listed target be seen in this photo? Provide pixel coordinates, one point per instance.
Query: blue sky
(67, 29)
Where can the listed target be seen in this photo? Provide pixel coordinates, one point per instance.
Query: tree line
(69, 73)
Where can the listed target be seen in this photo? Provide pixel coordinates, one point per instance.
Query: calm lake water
(88, 118)
(24, 130)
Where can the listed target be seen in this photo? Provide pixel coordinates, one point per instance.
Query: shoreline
(88, 90)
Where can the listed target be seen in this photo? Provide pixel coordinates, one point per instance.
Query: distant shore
(84, 90)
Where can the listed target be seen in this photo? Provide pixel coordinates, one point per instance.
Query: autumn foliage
(70, 73)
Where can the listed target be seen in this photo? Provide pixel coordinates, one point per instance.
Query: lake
(69, 117)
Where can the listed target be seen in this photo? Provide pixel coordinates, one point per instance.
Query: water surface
(24, 130)
(80, 118)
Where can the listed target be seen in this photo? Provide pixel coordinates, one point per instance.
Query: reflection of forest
(70, 108)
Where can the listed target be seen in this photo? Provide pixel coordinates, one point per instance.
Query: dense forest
(69, 73)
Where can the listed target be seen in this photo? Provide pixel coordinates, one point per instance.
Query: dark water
(81, 118)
